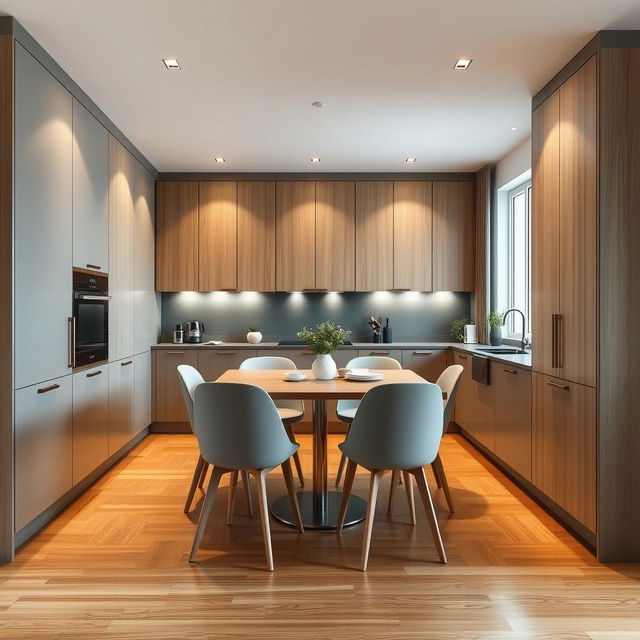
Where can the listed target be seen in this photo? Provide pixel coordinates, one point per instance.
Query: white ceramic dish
(294, 376)
(364, 377)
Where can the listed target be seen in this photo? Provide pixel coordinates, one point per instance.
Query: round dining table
(319, 507)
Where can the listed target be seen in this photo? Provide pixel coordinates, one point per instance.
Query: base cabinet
(121, 403)
(512, 417)
(43, 447)
(483, 424)
(464, 411)
(142, 407)
(427, 363)
(90, 421)
(169, 403)
(564, 445)
(212, 364)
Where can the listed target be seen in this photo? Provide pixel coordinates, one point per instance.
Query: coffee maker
(195, 331)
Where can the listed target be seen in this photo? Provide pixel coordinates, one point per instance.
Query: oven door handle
(82, 296)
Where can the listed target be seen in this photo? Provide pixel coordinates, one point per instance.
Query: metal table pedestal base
(356, 510)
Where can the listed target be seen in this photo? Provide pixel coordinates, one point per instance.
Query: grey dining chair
(291, 411)
(239, 429)
(346, 409)
(448, 382)
(189, 378)
(397, 427)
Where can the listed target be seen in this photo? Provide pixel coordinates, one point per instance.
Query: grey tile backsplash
(227, 316)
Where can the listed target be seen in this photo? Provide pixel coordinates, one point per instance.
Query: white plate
(297, 377)
(364, 377)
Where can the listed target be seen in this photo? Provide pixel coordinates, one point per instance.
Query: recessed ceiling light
(171, 63)
(318, 104)
(219, 159)
(463, 63)
(410, 160)
(513, 129)
(315, 159)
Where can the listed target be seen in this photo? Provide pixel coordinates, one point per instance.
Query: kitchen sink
(504, 351)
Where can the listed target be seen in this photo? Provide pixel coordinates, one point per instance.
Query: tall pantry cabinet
(585, 290)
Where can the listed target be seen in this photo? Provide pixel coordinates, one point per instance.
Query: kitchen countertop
(520, 360)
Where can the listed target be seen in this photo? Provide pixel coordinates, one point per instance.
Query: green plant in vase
(496, 321)
(323, 341)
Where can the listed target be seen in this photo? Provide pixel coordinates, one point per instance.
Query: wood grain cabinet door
(169, 402)
(464, 410)
(218, 236)
(454, 236)
(412, 236)
(177, 236)
(545, 203)
(512, 417)
(428, 363)
(212, 363)
(483, 423)
(295, 236)
(564, 445)
(578, 225)
(374, 236)
(335, 236)
(256, 236)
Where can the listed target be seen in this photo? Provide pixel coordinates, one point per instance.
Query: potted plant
(495, 321)
(254, 336)
(326, 339)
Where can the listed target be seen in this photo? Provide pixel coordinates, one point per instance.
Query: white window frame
(511, 331)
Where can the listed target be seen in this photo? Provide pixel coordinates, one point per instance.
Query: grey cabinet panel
(464, 410)
(483, 426)
(90, 421)
(43, 222)
(428, 363)
(212, 364)
(169, 403)
(121, 401)
(142, 390)
(90, 191)
(43, 447)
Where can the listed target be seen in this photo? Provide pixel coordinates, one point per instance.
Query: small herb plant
(253, 329)
(495, 319)
(326, 338)
(457, 328)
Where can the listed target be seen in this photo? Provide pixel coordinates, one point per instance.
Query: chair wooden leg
(246, 481)
(231, 496)
(296, 456)
(346, 492)
(408, 487)
(203, 476)
(343, 461)
(197, 473)
(436, 474)
(288, 479)
(392, 489)
(437, 463)
(264, 516)
(374, 485)
(214, 481)
(423, 486)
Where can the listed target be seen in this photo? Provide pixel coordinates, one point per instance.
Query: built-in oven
(89, 326)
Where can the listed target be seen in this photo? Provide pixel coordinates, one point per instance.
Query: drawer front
(396, 354)
(169, 402)
(428, 363)
(214, 362)
(122, 381)
(43, 447)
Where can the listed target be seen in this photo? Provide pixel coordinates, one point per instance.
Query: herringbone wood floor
(114, 565)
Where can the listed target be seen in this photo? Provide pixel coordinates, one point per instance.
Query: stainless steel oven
(89, 326)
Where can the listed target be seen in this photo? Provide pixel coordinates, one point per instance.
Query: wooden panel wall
(483, 213)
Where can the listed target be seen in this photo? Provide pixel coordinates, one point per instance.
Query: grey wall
(226, 316)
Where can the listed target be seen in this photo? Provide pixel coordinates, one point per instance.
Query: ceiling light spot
(462, 64)
(318, 104)
(219, 159)
(314, 160)
(171, 63)
(410, 160)
(513, 128)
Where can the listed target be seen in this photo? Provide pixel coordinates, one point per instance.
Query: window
(519, 257)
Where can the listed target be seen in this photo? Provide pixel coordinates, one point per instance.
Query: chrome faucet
(523, 343)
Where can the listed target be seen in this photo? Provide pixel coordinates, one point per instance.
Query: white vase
(254, 337)
(324, 367)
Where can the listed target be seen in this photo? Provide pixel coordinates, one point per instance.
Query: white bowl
(294, 376)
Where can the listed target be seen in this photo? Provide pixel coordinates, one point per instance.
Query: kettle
(195, 331)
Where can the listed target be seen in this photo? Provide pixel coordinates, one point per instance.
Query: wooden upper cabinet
(578, 225)
(454, 234)
(256, 236)
(412, 236)
(295, 236)
(335, 236)
(374, 236)
(177, 236)
(218, 236)
(545, 201)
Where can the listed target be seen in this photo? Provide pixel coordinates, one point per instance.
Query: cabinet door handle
(225, 353)
(315, 290)
(94, 266)
(514, 371)
(47, 389)
(308, 353)
(94, 374)
(398, 289)
(124, 364)
(379, 353)
(555, 385)
(71, 329)
(462, 357)
(229, 289)
(422, 353)
(560, 341)
(175, 353)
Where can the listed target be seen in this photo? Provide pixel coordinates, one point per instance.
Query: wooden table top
(272, 382)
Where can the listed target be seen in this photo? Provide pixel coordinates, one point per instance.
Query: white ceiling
(251, 68)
